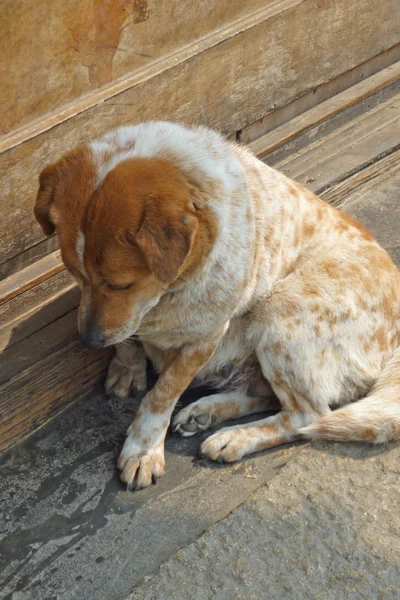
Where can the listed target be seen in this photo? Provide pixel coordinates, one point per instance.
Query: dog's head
(125, 241)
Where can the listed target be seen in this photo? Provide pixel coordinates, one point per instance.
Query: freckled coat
(215, 245)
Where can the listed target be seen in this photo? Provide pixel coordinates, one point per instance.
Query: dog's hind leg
(211, 410)
(232, 443)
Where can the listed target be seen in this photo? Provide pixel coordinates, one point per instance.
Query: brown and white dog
(229, 274)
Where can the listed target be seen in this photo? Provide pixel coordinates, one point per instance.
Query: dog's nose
(92, 338)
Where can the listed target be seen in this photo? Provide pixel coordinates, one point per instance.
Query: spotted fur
(229, 274)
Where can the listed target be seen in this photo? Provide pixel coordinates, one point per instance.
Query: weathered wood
(30, 276)
(43, 343)
(310, 119)
(34, 396)
(28, 257)
(226, 81)
(83, 45)
(341, 191)
(347, 149)
(36, 308)
(272, 121)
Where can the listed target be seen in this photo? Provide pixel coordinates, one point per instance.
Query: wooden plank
(30, 276)
(313, 98)
(45, 304)
(347, 148)
(32, 297)
(269, 142)
(109, 40)
(341, 191)
(28, 257)
(49, 340)
(226, 82)
(39, 393)
(154, 68)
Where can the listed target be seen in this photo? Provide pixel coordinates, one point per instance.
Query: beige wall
(54, 51)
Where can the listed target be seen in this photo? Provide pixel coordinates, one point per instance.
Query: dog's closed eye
(113, 286)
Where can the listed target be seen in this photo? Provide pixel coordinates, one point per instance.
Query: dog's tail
(375, 418)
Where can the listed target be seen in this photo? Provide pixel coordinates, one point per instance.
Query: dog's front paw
(140, 468)
(121, 380)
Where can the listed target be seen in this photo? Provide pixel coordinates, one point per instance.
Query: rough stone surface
(327, 527)
(69, 529)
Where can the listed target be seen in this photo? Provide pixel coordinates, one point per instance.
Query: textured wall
(53, 51)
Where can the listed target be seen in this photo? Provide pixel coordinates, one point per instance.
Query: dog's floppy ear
(70, 181)
(48, 180)
(166, 238)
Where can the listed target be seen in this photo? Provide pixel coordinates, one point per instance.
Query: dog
(229, 274)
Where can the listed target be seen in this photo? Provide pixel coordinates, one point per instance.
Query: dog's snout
(92, 337)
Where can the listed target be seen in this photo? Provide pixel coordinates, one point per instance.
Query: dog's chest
(175, 322)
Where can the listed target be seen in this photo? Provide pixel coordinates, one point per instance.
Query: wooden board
(34, 309)
(43, 373)
(266, 144)
(34, 396)
(21, 355)
(348, 148)
(344, 190)
(227, 80)
(30, 276)
(377, 69)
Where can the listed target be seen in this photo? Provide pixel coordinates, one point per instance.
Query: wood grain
(341, 191)
(84, 45)
(310, 119)
(30, 276)
(272, 121)
(43, 343)
(36, 308)
(347, 148)
(39, 393)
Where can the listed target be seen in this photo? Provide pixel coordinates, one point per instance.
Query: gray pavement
(326, 527)
(69, 529)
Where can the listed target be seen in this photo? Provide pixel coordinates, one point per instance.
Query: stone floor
(327, 527)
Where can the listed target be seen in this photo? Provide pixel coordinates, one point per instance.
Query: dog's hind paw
(193, 419)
